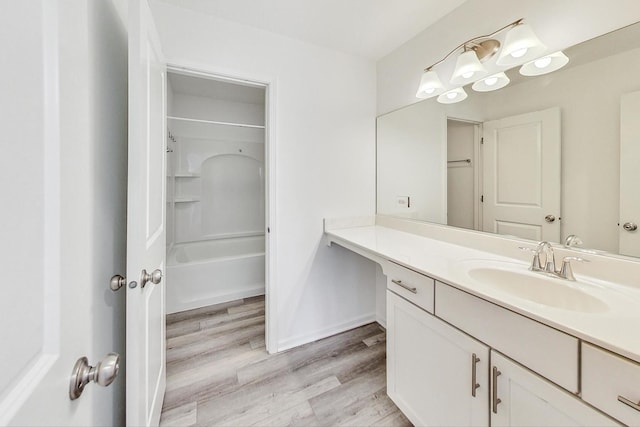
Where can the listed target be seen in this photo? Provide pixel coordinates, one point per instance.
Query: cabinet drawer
(413, 286)
(547, 351)
(606, 378)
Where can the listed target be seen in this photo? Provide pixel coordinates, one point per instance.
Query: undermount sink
(538, 288)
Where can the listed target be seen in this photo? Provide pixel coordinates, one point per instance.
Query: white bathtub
(214, 271)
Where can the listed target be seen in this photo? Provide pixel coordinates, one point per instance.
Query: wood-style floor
(219, 373)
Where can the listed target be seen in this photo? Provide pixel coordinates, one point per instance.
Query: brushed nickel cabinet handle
(630, 403)
(494, 396)
(407, 287)
(474, 384)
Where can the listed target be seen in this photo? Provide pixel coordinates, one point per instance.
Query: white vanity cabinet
(435, 374)
(449, 367)
(611, 383)
(519, 397)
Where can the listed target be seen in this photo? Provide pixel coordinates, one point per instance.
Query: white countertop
(616, 328)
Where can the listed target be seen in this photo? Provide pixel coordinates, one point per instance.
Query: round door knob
(104, 373)
(630, 226)
(549, 218)
(154, 277)
(117, 282)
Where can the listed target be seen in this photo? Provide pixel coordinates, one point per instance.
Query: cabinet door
(522, 398)
(431, 368)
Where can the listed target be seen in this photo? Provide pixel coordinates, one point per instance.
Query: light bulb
(490, 81)
(467, 75)
(542, 62)
(429, 90)
(519, 53)
(452, 95)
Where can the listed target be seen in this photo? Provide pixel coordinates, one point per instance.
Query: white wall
(558, 24)
(324, 154)
(420, 176)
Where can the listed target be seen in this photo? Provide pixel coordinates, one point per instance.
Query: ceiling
(368, 28)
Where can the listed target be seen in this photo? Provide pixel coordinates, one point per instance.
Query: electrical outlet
(404, 201)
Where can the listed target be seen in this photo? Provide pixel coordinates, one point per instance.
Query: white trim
(218, 299)
(326, 332)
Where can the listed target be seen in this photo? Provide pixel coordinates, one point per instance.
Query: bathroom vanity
(475, 338)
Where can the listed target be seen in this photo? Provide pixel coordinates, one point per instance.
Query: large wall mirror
(544, 158)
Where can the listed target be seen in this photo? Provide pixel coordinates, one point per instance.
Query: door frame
(269, 84)
(477, 171)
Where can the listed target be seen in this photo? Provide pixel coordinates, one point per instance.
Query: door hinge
(268, 229)
(482, 140)
(482, 199)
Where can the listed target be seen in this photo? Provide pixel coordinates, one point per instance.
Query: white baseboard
(299, 340)
(217, 299)
(381, 321)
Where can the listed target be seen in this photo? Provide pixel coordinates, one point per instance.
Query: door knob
(117, 282)
(549, 218)
(104, 373)
(154, 277)
(630, 226)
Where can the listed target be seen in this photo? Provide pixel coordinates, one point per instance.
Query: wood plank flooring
(219, 374)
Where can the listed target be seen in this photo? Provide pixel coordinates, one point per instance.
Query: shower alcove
(215, 191)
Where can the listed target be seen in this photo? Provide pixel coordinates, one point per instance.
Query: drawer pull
(407, 287)
(494, 397)
(628, 402)
(474, 385)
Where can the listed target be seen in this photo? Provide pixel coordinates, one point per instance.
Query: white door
(521, 179)
(36, 357)
(146, 235)
(629, 167)
(431, 368)
(522, 398)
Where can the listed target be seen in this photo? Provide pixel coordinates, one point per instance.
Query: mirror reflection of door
(463, 139)
(521, 175)
(629, 166)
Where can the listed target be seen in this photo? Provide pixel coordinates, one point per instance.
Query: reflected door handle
(155, 277)
(549, 218)
(630, 226)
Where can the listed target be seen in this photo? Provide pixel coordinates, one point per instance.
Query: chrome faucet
(572, 240)
(549, 268)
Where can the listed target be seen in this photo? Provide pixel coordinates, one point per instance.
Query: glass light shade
(520, 45)
(430, 85)
(545, 65)
(453, 96)
(468, 68)
(493, 82)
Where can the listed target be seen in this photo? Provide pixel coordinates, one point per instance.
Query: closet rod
(244, 125)
(460, 161)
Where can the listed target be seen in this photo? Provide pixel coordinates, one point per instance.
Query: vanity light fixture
(521, 45)
(468, 68)
(545, 65)
(430, 85)
(493, 82)
(453, 96)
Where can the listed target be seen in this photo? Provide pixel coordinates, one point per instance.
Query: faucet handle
(566, 272)
(535, 262)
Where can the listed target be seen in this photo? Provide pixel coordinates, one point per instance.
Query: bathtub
(214, 271)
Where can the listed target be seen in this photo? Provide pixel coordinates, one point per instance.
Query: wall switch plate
(404, 201)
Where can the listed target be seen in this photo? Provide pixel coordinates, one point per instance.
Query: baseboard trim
(216, 299)
(299, 340)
